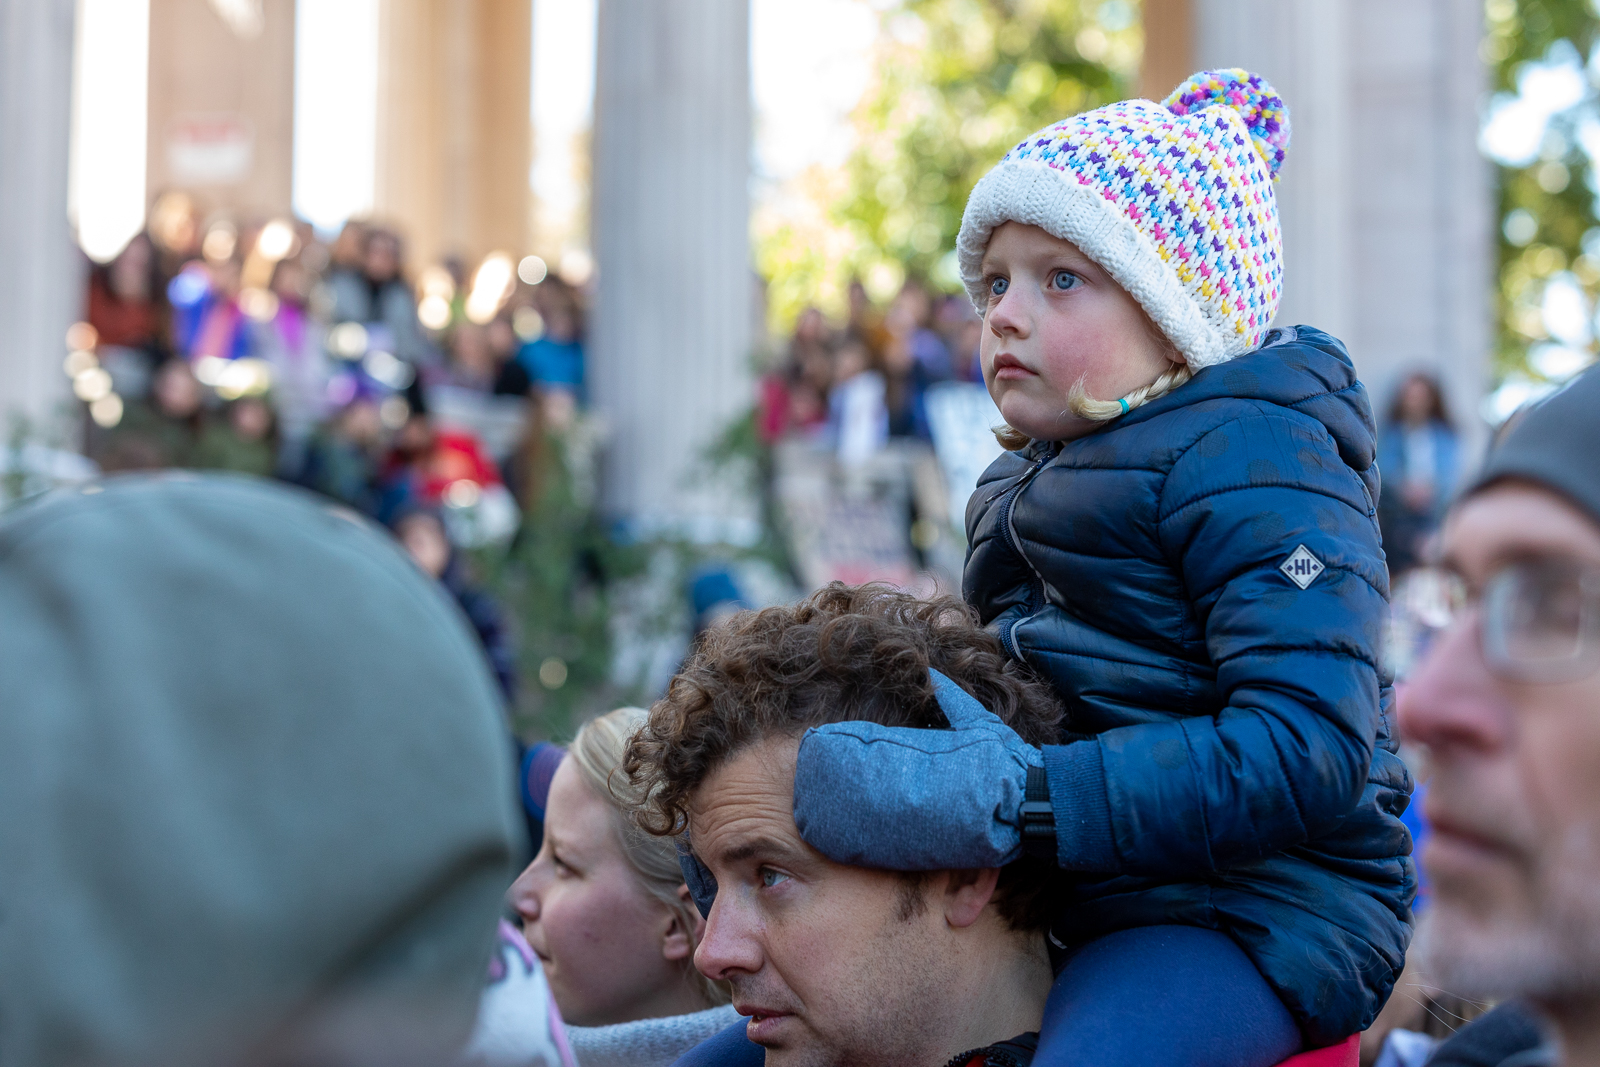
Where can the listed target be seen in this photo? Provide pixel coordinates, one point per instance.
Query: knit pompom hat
(1174, 200)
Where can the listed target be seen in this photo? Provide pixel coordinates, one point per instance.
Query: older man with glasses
(1507, 708)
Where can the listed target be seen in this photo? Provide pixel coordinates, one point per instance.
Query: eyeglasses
(1539, 619)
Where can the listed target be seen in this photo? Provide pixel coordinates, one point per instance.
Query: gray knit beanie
(256, 792)
(1556, 443)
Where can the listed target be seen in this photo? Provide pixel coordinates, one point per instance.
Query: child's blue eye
(998, 286)
(1064, 279)
(770, 877)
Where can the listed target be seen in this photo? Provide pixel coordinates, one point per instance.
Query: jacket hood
(255, 789)
(1301, 368)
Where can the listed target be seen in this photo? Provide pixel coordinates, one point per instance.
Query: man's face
(834, 965)
(1514, 798)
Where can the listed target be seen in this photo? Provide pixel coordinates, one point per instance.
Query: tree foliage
(957, 83)
(555, 582)
(1547, 206)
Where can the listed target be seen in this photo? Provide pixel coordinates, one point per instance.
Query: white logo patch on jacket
(1302, 567)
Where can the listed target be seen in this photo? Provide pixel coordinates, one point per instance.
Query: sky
(335, 109)
(105, 178)
(563, 98)
(810, 63)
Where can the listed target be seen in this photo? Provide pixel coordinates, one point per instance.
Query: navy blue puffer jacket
(1231, 763)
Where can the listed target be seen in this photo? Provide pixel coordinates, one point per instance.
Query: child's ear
(678, 943)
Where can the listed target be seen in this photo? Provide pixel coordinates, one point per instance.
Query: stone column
(1424, 208)
(1386, 203)
(454, 131)
(1302, 48)
(1168, 46)
(671, 328)
(222, 103)
(41, 270)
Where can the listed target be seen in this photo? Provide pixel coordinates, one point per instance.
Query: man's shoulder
(1018, 1052)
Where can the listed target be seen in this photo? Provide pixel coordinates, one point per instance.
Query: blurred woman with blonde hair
(604, 908)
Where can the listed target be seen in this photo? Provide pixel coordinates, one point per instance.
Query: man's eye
(998, 286)
(1064, 279)
(770, 877)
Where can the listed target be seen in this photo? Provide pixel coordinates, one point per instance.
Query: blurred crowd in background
(262, 349)
(876, 366)
(442, 402)
(259, 348)
(436, 403)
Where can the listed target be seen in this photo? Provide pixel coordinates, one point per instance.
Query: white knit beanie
(1175, 200)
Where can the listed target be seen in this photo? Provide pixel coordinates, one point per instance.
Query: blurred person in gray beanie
(1506, 708)
(256, 796)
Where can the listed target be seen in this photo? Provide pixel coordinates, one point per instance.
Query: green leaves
(987, 73)
(957, 83)
(1546, 207)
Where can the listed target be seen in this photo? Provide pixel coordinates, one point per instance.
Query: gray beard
(1552, 958)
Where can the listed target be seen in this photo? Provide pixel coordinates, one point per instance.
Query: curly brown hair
(846, 653)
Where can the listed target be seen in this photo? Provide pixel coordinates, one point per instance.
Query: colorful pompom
(1257, 102)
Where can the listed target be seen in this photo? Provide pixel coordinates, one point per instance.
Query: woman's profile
(609, 927)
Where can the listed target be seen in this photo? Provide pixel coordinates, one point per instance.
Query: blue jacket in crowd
(1231, 761)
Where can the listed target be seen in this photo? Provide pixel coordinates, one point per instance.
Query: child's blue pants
(1153, 996)
(1156, 996)
(728, 1049)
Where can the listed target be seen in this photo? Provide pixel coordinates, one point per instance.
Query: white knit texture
(1039, 195)
(647, 1042)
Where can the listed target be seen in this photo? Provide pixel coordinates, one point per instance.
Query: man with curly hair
(835, 964)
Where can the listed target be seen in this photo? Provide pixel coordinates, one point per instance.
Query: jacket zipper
(1008, 636)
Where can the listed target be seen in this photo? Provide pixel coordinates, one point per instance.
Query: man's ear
(678, 943)
(967, 893)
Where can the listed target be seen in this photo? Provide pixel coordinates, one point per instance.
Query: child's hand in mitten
(909, 799)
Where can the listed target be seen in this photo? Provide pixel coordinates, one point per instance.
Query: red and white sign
(210, 149)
